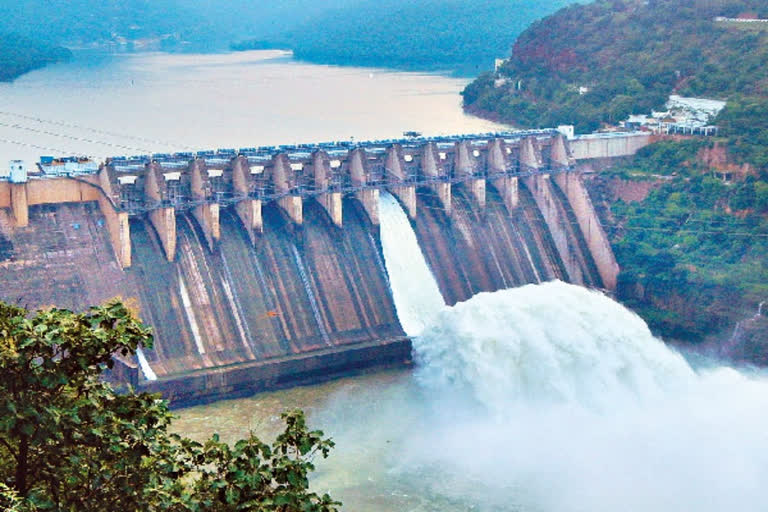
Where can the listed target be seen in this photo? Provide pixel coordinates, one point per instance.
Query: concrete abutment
(293, 207)
(594, 235)
(20, 204)
(332, 204)
(206, 214)
(407, 197)
(119, 231)
(477, 189)
(508, 188)
(369, 198)
(164, 222)
(443, 192)
(249, 212)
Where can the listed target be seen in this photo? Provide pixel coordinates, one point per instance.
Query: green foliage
(630, 55)
(86, 21)
(256, 44)
(666, 158)
(744, 120)
(19, 55)
(463, 36)
(459, 35)
(68, 442)
(10, 501)
(690, 265)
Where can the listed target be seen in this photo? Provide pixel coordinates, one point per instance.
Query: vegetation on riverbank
(69, 442)
(458, 35)
(693, 253)
(19, 55)
(598, 63)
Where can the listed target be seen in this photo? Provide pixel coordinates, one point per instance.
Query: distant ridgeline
(19, 55)
(88, 23)
(458, 35)
(693, 246)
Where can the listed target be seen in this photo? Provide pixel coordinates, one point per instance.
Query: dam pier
(262, 267)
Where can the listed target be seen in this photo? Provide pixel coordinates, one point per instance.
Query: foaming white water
(549, 343)
(555, 398)
(548, 398)
(592, 411)
(414, 289)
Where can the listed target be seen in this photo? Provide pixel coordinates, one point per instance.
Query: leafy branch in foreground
(68, 442)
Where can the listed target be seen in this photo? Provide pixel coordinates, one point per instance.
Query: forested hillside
(201, 24)
(694, 253)
(629, 55)
(460, 35)
(456, 35)
(38, 32)
(84, 22)
(40, 28)
(19, 55)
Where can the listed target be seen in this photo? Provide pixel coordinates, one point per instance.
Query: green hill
(630, 55)
(19, 55)
(458, 35)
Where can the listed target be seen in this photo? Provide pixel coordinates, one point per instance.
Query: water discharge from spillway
(414, 289)
(546, 397)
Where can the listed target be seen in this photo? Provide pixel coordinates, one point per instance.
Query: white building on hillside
(689, 116)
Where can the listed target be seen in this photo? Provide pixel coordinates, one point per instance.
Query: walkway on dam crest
(161, 185)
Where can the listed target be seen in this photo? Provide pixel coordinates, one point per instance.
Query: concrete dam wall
(471, 250)
(219, 316)
(275, 286)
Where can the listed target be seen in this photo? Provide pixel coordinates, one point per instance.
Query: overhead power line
(95, 130)
(37, 146)
(468, 210)
(73, 137)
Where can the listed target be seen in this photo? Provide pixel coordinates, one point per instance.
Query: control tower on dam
(263, 267)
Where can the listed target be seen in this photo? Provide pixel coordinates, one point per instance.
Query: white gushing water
(417, 297)
(149, 374)
(552, 397)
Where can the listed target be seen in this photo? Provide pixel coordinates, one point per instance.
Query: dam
(263, 267)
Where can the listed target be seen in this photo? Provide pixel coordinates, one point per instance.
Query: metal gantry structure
(183, 181)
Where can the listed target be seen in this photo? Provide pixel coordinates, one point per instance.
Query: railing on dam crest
(202, 183)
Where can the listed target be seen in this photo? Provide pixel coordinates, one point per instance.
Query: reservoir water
(101, 105)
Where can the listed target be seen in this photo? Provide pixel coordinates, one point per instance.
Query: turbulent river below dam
(546, 397)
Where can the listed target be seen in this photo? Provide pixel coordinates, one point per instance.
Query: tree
(69, 442)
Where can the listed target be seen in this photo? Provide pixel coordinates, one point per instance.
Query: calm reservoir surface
(155, 102)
